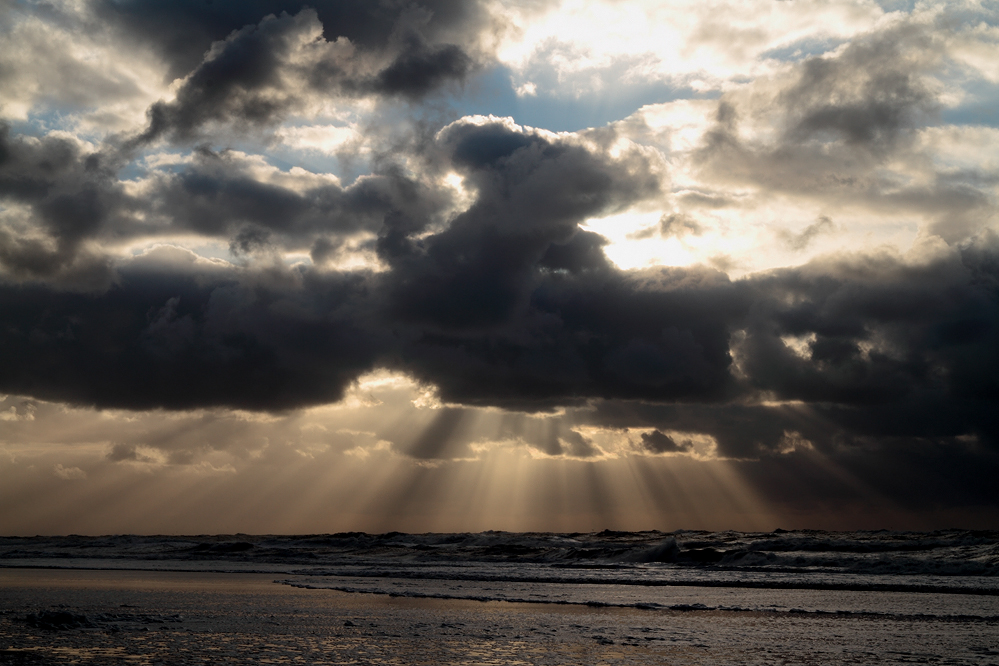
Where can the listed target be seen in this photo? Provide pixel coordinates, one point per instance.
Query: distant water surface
(958, 569)
(877, 596)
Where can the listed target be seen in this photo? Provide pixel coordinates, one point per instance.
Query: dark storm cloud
(882, 329)
(241, 81)
(422, 69)
(509, 304)
(73, 196)
(161, 329)
(512, 305)
(260, 70)
(55, 175)
(183, 31)
(69, 194)
(854, 353)
(218, 195)
(166, 337)
(592, 335)
(256, 74)
(532, 191)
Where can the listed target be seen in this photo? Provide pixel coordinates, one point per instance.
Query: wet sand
(145, 618)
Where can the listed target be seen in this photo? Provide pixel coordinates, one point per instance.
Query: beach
(172, 617)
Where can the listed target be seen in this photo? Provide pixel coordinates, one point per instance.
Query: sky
(459, 265)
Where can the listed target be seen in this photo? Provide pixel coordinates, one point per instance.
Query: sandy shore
(139, 618)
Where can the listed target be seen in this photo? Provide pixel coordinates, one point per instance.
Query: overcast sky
(459, 265)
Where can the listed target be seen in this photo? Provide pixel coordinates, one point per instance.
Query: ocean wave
(946, 553)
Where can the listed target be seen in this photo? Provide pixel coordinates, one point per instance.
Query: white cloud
(702, 43)
(75, 66)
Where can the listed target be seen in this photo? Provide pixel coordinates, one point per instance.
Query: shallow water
(198, 618)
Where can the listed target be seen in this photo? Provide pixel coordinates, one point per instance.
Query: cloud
(186, 266)
(58, 58)
(592, 47)
(154, 339)
(64, 193)
(562, 441)
(68, 197)
(510, 304)
(867, 94)
(533, 190)
(422, 69)
(511, 260)
(802, 239)
(883, 328)
(678, 224)
(659, 442)
(68, 473)
(842, 130)
(182, 32)
(127, 453)
(263, 71)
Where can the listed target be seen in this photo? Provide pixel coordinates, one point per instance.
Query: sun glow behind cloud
(629, 248)
(687, 42)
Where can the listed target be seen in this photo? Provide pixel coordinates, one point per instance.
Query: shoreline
(150, 617)
(297, 570)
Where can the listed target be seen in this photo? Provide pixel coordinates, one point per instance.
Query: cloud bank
(796, 257)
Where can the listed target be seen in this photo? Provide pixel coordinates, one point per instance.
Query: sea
(542, 599)
(910, 586)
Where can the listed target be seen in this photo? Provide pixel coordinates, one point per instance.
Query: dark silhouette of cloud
(184, 31)
(422, 69)
(164, 337)
(252, 77)
(659, 442)
(531, 193)
(71, 195)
